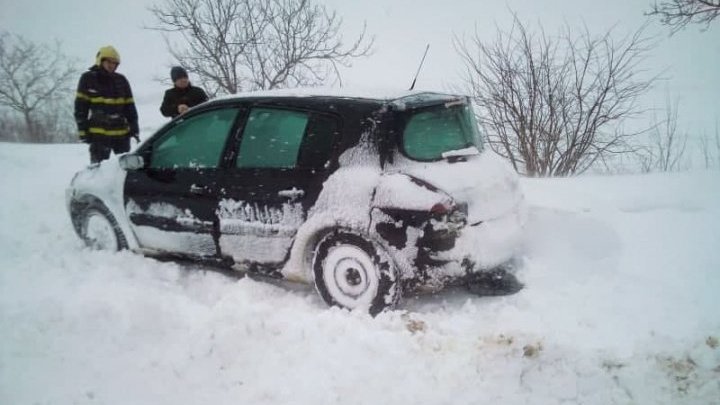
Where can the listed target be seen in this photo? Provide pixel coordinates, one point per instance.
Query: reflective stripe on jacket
(104, 105)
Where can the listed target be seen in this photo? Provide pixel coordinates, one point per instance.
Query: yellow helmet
(107, 52)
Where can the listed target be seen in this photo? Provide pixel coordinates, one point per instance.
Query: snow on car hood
(488, 185)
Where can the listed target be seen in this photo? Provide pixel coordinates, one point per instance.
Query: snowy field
(622, 306)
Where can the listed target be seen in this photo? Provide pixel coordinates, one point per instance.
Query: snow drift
(620, 306)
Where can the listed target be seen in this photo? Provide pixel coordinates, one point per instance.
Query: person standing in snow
(104, 107)
(182, 96)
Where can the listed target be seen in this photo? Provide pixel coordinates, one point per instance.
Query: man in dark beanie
(182, 96)
(104, 107)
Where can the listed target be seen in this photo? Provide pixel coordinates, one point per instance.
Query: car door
(282, 159)
(172, 201)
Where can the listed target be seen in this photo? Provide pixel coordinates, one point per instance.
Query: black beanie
(177, 72)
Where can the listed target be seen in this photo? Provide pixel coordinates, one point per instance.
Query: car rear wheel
(354, 273)
(100, 230)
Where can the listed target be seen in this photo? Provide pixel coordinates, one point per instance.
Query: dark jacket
(190, 96)
(104, 106)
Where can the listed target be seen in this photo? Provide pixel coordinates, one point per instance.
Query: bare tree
(34, 80)
(555, 105)
(679, 13)
(10, 125)
(238, 45)
(706, 149)
(717, 143)
(644, 158)
(710, 148)
(668, 146)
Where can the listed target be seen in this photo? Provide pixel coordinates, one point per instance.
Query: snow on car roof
(397, 96)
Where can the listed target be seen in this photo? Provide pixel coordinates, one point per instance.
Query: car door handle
(198, 190)
(292, 193)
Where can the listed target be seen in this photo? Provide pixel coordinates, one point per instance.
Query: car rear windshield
(432, 132)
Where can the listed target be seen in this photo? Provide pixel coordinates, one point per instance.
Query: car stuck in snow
(364, 196)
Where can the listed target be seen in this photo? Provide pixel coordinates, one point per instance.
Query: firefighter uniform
(104, 109)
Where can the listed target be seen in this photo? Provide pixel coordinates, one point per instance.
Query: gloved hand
(134, 131)
(82, 133)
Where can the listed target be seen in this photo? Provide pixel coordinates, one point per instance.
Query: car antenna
(412, 86)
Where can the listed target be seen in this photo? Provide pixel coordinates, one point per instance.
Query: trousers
(100, 151)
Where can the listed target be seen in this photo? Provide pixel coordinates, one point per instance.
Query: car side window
(196, 142)
(317, 146)
(272, 138)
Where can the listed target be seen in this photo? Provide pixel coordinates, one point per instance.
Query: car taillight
(440, 209)
(454, 213)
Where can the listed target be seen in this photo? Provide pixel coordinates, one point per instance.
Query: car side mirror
(131, 161)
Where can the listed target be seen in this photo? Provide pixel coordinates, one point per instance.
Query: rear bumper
(430, 258)
(490, 244)
(481, 259)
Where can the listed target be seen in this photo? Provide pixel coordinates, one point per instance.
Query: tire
(99, 229)
(354, 273)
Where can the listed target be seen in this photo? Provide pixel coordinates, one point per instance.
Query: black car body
(364, 196)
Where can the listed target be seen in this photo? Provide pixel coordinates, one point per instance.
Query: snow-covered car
(364, 196)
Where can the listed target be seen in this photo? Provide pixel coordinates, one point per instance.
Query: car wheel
(100, 230)
(354, 273)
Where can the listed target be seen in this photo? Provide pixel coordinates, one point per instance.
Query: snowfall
(621, 306)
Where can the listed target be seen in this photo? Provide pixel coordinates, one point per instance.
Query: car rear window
(429, 133)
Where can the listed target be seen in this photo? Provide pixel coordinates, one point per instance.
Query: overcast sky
(690, 59)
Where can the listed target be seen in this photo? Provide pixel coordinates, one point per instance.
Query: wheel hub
(350, 275)
(353, 277)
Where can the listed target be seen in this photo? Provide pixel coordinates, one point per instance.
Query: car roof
(343, 98)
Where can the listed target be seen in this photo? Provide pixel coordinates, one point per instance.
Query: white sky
(690, 59)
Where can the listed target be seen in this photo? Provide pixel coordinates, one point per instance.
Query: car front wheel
(100, 230)
(354, 273)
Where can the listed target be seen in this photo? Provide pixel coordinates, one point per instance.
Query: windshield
(430, 134)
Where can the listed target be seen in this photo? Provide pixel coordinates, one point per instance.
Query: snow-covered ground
(622, 306)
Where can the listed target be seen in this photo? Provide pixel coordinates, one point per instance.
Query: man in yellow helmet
(104, 108)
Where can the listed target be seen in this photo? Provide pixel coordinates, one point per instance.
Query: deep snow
(621, 306)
